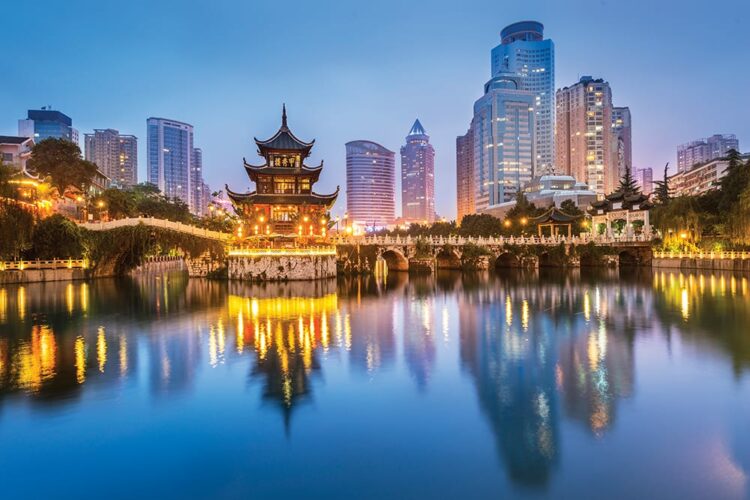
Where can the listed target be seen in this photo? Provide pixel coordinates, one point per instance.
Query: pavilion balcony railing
(703, 255)
(24, 265)
(582, 239)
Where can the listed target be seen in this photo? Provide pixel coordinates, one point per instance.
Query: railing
(493, 241)
(702, 255)
(23, 265)
(268, 252)
(160, 223)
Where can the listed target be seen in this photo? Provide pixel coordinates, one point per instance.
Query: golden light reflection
(79, 349)
(508, 311)
(587, 306)
(34, 361)
(123, 355)
(3, 305)
(101, 348)
(70, 298)
(84, 292)
(525, 315)
(685, 303)
(21, 301)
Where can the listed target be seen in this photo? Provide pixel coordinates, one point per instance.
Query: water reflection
(541, 350)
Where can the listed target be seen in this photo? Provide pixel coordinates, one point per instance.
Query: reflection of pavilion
(285, 334)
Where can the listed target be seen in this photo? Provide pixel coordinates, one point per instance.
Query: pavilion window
(285, 185)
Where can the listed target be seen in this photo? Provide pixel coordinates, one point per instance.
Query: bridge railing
(492, 240)
(22, 265)
(702, 255)
(160, 223)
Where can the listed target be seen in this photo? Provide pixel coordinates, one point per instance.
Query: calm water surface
(567, 386)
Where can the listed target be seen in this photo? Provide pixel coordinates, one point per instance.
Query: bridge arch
(589, 259)
(395, 260)
(629, 258)
(447, 259)
(507, 259)
(545, 260)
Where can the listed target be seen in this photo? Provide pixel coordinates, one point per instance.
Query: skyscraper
(623, 142)
(170, 152)
(115, 154)
(523, 50)
(45, 123)
(503, 126)
(584, 134)
(465, 174)
(645, 179)
(418, 176)
(705, 150)
(199, 189)
(370, 183)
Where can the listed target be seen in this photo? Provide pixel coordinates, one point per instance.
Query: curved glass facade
(370, 183)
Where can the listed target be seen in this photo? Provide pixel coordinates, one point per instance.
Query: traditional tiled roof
(628, 201)
(255, 198)
(283, 140)
(12, 139)
(311, 172)
(554, 214)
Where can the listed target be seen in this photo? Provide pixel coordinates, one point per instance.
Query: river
(565, 385)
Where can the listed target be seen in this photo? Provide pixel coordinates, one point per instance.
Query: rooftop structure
(283, 203)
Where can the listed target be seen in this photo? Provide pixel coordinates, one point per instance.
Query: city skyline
(247, 100)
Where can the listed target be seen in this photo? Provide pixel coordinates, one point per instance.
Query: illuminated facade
(622, 134)
(524, 51)
(370, 183)
(418, 176)
(504, 158)
(283, 203)
(46, 123)
(584, 136)
(704, 150)
(115, 155)
(465, 174)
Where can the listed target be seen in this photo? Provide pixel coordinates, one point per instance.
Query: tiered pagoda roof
(283, 145)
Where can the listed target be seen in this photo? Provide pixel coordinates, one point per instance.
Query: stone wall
(282, 267)
(737, 265)
(36, 275)
(203, 265)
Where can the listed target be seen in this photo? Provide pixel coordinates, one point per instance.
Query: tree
(16, 226)
(57, 238)
(628, 185)
(61, 160)
(120, 203)
(662, 192)
(480, 225)
(570, 208)
(734, 182)
(6, 189)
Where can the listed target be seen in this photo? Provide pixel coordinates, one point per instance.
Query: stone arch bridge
(365, 254)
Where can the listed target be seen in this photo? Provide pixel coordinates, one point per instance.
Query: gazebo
(556, 221)
(621, 206)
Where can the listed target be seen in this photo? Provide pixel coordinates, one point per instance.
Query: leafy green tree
(663, 193)
(56, 238)
(16, 226)
(6, 189)
(119, 203)
(734, 182)
(61, 160)
(480, 225)
(570, 208)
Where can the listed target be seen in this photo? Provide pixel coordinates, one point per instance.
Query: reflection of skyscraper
(373, 343)
(419, 341)
(512, 359)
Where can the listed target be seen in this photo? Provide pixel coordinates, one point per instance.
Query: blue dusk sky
(364, 70)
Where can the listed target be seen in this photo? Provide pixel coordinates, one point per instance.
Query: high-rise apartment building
(200, 190)
(705, 150)
(418, 176)
(645, 179)
(524, 51)
(169, 157)
(46, 123)
(622, 135)
(465, 174)
(504, 155)
(115, 154)
(370, 183)
(584, 136)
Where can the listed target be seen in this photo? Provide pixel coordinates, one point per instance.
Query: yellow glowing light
(323, 221)
(506, 223)
(262, 219)
(524, 220)
(101, 349)
(306, 218)
(80, 359)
